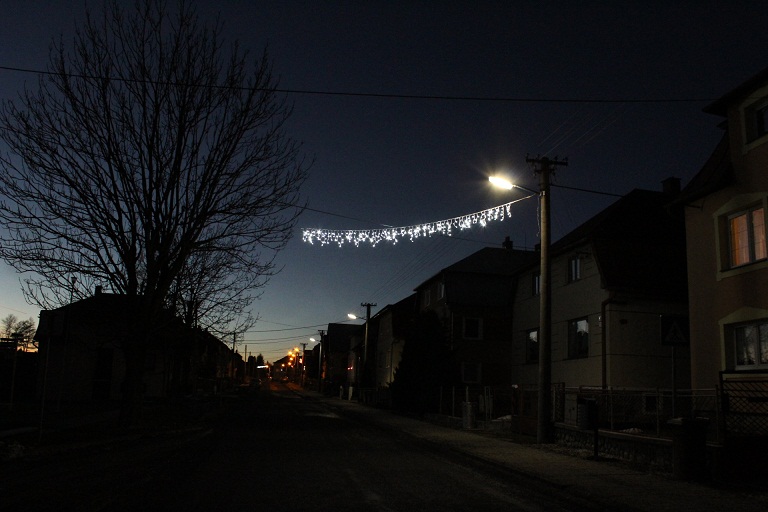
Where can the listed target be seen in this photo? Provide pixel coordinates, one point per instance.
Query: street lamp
(367, 306)
(544, 414)
(504, 183)
(319, 361)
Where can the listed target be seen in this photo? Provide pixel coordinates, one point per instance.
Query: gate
(744, 404)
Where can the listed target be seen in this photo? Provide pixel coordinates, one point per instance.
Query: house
(338, 343)
(615, 280)
(392, 325)
(473, 300)
(725, 205)
(81, 353)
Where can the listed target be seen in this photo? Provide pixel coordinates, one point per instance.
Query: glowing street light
(544, 419)
(504, 183)
(500, 182)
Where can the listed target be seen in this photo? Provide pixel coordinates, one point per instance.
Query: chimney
(507, 243)
(671, 186)
(98, 290)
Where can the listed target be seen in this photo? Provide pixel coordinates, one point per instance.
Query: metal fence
(636, 411)
(642, 411)
(745, 405)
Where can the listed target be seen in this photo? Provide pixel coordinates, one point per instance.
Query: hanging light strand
(394, 234)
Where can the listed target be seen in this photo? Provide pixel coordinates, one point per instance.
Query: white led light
(441, 227)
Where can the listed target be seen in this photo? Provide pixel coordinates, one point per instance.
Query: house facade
(392, 325)
(81, 354)
(339, 357)
(725, 205)
(615, 280)
(473, 300)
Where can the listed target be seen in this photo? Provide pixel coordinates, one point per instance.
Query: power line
(437, 97)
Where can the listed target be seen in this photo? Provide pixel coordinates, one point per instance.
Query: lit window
(532, 346)
(578, 338)
(574, 268)
(746, 237)
(752, 345)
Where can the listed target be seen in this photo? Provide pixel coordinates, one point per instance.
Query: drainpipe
(604, 338)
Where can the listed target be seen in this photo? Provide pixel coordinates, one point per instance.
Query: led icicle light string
(394, 234)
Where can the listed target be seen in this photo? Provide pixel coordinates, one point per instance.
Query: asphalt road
(276, 451)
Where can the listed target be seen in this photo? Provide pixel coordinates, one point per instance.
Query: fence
(637, 411)
(642, 411)
(745, 404)
(492, 402)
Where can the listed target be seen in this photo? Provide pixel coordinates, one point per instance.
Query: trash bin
(468, 415)
(689, 448)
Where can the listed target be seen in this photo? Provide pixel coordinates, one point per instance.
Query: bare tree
(149, 156)
(21, 330)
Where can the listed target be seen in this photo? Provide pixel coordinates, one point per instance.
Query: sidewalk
(601, 483)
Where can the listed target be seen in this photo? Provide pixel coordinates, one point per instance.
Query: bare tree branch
(152, 160)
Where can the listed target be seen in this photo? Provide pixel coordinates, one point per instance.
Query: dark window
(578, 338)
(574, 269)
(532, 346)
(756, 120)
(752, 345)
(535, 284)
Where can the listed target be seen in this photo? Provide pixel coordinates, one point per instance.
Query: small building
(393, 322)
(725, 205)
(81, 353)
(473, 299)
(613, 279)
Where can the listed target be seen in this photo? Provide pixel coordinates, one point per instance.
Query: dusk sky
(408, 107)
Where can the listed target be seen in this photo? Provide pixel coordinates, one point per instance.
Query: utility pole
(301, 362)
(367, 306)
(234, 372)
(320, 362)
(543, 166)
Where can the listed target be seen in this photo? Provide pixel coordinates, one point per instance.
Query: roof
(340, 336)
(491, 260)
(716, 173)
(638, 243)
(720, 106)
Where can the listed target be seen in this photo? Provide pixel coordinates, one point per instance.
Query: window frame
(531, 337)
(574, 268)
(721, 218)
(535, 284)
(578, 348)
(756, 237)
(761, 345)
(755, 122)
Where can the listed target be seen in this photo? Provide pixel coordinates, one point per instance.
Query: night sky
(407, 107)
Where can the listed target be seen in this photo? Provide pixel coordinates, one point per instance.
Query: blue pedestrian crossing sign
(674, 330)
